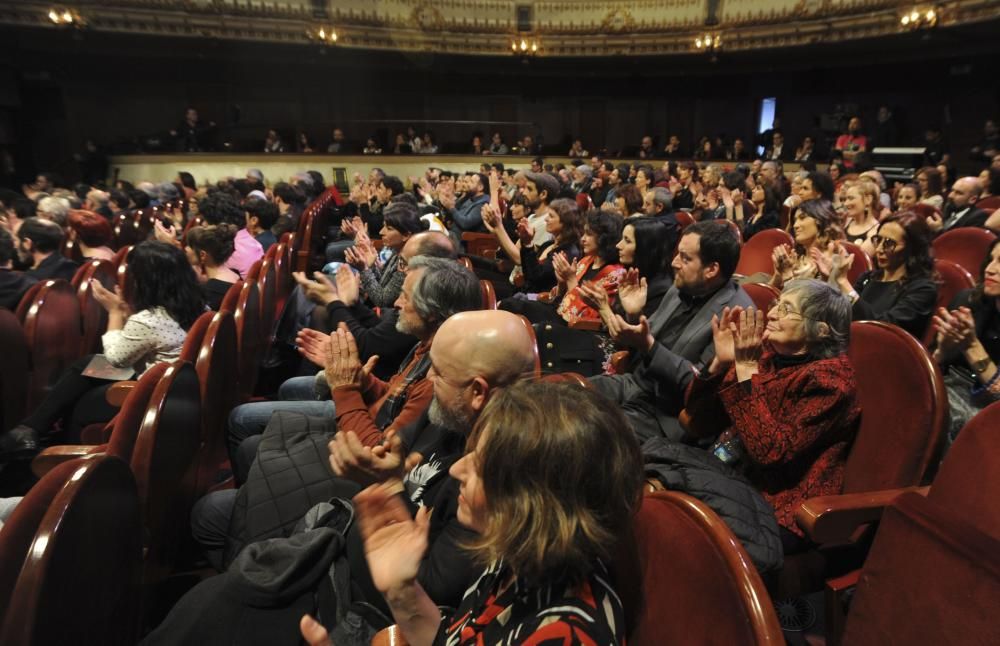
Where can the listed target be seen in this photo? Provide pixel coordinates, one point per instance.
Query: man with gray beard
(473, 356)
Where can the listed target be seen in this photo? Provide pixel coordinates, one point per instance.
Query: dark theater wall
(121, 90)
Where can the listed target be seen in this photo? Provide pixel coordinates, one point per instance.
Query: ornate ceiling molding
(568, 28)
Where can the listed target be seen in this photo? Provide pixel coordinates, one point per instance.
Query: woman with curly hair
(814, 228)
(147, 324)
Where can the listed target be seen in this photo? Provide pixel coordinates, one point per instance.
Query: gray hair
(826, 314)
(444, 288)
(663, 197)
(55, 209)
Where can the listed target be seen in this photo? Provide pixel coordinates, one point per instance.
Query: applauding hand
(394, 542)
(366, 466)
(342, 366)
(632, 292)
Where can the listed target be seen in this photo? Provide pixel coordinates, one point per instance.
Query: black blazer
(13, 285)
(55, 266)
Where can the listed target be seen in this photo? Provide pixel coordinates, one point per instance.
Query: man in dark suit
(676, 341)
(13, 283)
(960, 209)
(39, 243)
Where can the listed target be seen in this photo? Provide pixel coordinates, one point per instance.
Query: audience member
(814, 228)
(55, 209)
(931, 187)
(562, 223)
(208, 248)
(261, 216)
(221, 208)
(968, 345)
(852, 142)
(147, 323)
(92, 233)
(960, 209)
(382, 282)
(901, 289)
(674, 343)
(788, 394)
(766, 210)
(13, 283)
(39, 242)
(548, 571)
(861, 211)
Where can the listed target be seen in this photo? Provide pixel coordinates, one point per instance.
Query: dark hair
(8, 249)
(934, 181)
(403, 217)
(633, 198)
(187, 180)
(92, 229)
(717, 242)
(980, 279)
(608, 229)
(394, 184)
(691, 166)
(81, 190)
(652, 246)
(569, 217)
(159, 275)
(318, 184)
(734, 180)
(244, 187)
(118, 198)
(771, 200)
(139, 198)
(822, 183)
(623, 172)
(544, 182)
(265, 212)
(219, 207)
(916, 233)
(25, 208)
(288, 193)
(45, 236)
(485, 180)
(827, 222)
(993, 183)
(217, 240)
(646, 170)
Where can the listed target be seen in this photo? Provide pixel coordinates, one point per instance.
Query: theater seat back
(952, 279)
(52, 326)
(72, 550)
(755, 255)
(13, 368)
(904, 409)
(697, 582)
(966, 246)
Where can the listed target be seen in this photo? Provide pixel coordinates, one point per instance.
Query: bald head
(964, 192)
(429, 243)
(491, 344)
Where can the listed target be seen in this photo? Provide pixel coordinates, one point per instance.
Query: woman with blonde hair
(861, 211)
(550, 483)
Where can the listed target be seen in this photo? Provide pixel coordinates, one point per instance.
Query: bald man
(473, 356)
(960, 209)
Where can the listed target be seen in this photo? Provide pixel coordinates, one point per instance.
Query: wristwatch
(981, 365)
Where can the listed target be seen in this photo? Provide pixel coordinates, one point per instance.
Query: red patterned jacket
(796, 423)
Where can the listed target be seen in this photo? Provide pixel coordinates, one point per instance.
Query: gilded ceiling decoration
(489, 27)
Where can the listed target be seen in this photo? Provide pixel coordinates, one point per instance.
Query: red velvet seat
(95, 317)
(211, 346)
(70, 249)
(952, 279)
(684, 219)
(933, 573)
(992, 202)
(121, 264)
(15, 365)
(966, 246)
(310, 252)
(266, 284)
(862, 261)
(243, 301)
(697, 582)
(755, 255)
(762, 294)
(50, 315)
(72, 551)
(537, 371)
(904, 414)
(196, 221)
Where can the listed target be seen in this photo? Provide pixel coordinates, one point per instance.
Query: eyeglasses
(887, 244)
(784, 309)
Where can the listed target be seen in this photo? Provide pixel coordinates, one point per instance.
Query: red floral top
(796, 422)
(573, 307)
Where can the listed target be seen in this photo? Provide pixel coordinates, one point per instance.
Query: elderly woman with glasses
(901, 290)
(780, 394)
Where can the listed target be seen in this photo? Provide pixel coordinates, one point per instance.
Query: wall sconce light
(919, 18)
(524, 46)
(708, 42)
(324, 35)
(63, 17)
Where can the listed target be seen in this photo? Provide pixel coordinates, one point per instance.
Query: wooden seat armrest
(390, 636)
(53, 456)
(834, 519)
(118, 392)
(619, 361)
(589, 325)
